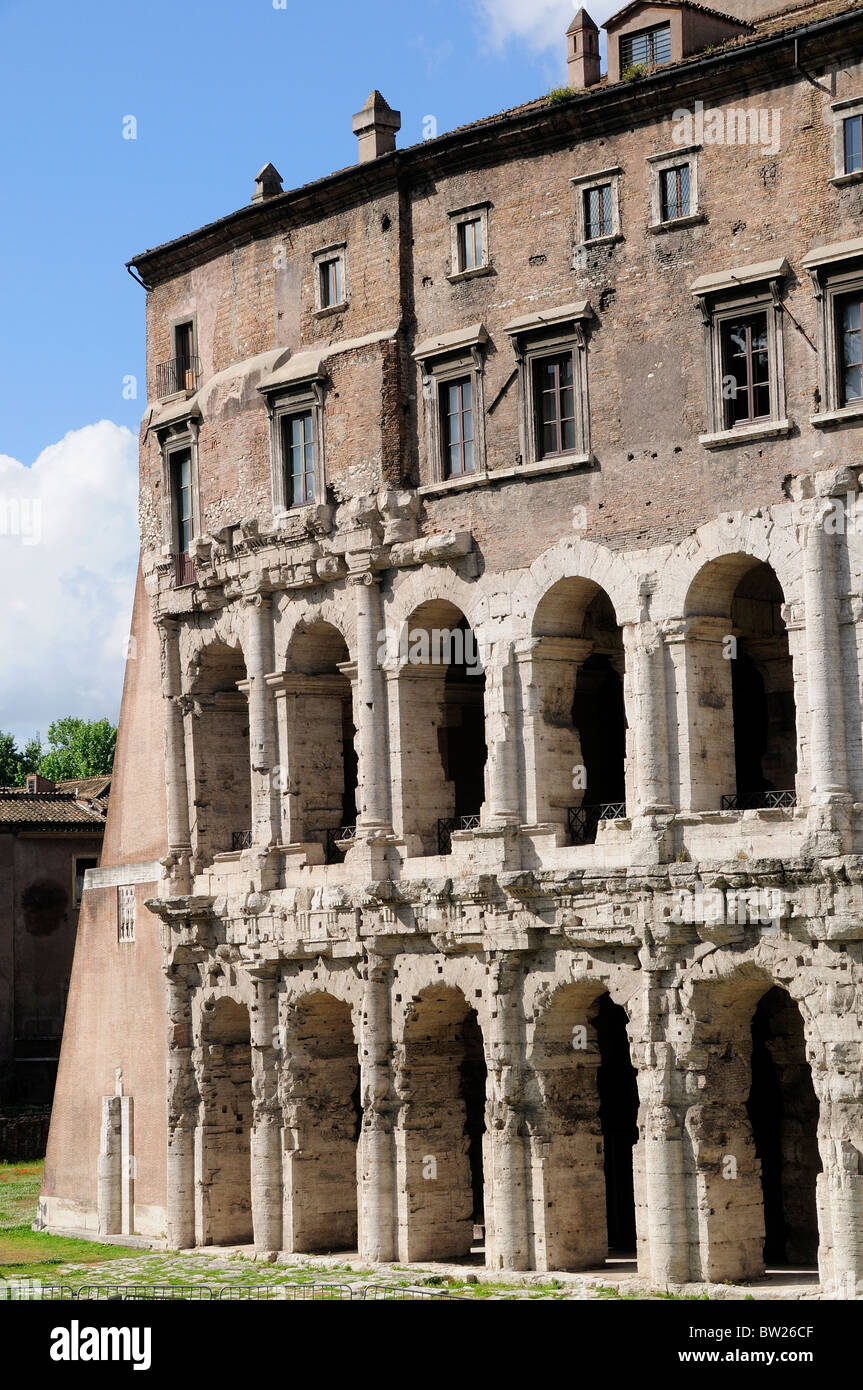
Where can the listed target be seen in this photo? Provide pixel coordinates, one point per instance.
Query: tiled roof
(92, 788)
(673, 5)
(22, 810)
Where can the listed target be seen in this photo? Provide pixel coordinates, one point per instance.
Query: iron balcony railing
(333, 852)
(184, 569)
(582, 822)
(177, 374)
(241, 839)
(446, 827)
(758, 801)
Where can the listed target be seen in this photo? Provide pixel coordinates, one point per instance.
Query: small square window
(597, 212)
(852, 131)
(126, 912)
(648, 48)
(332, 282)
(456, 400)
(470, 245)
(298, 452)
(674, 189)
(745, 370)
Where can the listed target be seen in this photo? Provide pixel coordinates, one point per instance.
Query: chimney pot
(375, 128)
(582, 51)
(268, 183)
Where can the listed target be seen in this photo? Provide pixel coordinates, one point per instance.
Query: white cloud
(68, 556)
(541, 24)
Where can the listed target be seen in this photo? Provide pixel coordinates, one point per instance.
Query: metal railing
(177, 374)
(446, 827)
(582, 822)
(334, 854)
(184, 570)
(30, 1291)
(241, 839)
(758, 801)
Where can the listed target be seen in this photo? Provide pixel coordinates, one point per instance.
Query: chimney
(375, 128)
(268, 183)
(582, 53)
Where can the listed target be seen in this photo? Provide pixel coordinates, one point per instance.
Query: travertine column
(504, 1148)
(266, 1137)
(501, 734)
(373, 789)
(827, 750)
(376, 1153)
(176, 785)
(183, 1108)
(262, 723)
(647, 713)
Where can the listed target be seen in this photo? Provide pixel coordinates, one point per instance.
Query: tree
(79, 748)
(9, 759)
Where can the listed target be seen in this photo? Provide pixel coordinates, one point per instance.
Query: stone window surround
(174, 439)
(474, 212)
(336, 251)
(190, 316)
(657, 163)
(548, 334)
(743, 290)
(445, 359)
(126, 914)
(841, 110)
(834, 271)
(302, 395)
(582, 184)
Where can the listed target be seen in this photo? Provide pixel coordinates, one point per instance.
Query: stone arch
(584, 1127)
(293, 611)
(323, 1117)
(755, 535)
(437, 583)
(438, 744)
(575, 558)
(575, 725)
(224, 1186)
(740, 735)
(754, 1131)
(441, 1079)
(217, 738)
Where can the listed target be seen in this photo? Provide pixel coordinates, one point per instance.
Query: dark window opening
(852, 129)
(81, 867)
(554, 396)
(472, 1079)
(298, 445)
(597, 212)
(674, 192)
(599, 716)
(762, 690)
(850, 344)
(745, 370)
(650, 47)
(618, 1116)
(457, 425)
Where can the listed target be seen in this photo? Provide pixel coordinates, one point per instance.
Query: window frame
(174, 440)
(300, 398)
(846, 109)
(440, 369)
(745, 316)
(447, 445)
(836, 272)
(649, 63)
(585, 183)
(93, 861)
(321, 258)
(458, 218)
(660, 164)
(537, 340)
(761, 294)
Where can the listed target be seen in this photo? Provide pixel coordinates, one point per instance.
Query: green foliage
(76, 748)
(633, 71)
(559, 94)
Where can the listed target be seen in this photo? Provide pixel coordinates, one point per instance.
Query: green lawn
(35, 1254)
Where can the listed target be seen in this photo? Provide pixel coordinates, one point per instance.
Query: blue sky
(217, 88)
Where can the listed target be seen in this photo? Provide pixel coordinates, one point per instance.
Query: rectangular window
(332, 282)
(457, 425)
(554, 398)
(745, 370)
(853, 139)
(184, 357)
(470, 249)
(597, 211)
(849, 320)
(298, 436)
(126, 912)
(650, 47)
(674, 192)
(81, 867)
(181, 497)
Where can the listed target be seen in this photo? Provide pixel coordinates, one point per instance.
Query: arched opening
(440, 749)
(783, 1111)
(316, 706)
(225, 1190)
(753, 1130)
(741, 718)
(576, 722)
(441, 1126)
(323, 1119)
(221, 772)
(585, 1128)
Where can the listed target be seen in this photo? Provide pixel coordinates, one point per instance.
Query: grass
(35, 1254)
